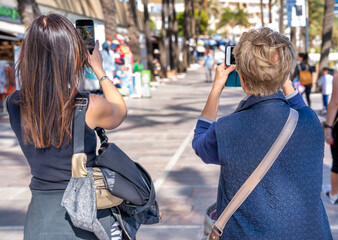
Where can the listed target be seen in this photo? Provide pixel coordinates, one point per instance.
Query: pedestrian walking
(208, 64)
(325, 83)
(108, 60)
(286, 203)
(331, 133)
(50, 68)
(303, 72)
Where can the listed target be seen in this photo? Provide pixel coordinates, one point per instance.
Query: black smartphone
(85, 27)
(229, 57)
(233, 78)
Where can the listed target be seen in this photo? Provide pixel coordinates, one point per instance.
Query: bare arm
(108, 112)
(211, 106)
(332, 110)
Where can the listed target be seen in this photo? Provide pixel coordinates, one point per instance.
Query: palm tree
(211, 7)
(327, 33)
(133, 30)
(163, 43)
(270, 7)
(175, 33)
(147, 32)
(109, 17)
(233, 18)
(186, 36)
(171, 34)
(281, 17)
(28, 10)
(262, 15)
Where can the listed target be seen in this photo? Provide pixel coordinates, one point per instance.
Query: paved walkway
(157, 133)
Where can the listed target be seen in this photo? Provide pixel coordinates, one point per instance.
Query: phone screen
(85, 28)
(229, 57)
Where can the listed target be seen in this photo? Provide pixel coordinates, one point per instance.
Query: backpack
(305, 77)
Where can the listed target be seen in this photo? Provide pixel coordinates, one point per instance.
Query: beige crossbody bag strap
(259, 172)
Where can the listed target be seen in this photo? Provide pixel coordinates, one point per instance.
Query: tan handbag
(216, 231)
(104, 199)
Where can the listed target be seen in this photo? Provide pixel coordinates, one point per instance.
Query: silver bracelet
(103, 78)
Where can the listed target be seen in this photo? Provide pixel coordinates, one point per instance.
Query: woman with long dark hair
(50, 68)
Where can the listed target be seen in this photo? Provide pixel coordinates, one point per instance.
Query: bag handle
(259, 172)
(79, 125)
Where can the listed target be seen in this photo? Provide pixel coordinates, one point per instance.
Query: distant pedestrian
(286, 204)
(331, 138)
(219, 56)
(325, 83)
(108, 60)
(50, 67)
(208, 64)
(304, 71)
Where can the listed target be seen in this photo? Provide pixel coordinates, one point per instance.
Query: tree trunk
(163, 44)
(172, 50)
(147, 33)
(327, 33)
(193, 28)
(186, 35)
(109, 18)
(281, 17)
(293, 36)
(262, 15)
(198, 20)
(270, 15)
(175, 32)
(28, 10)
(133, 32)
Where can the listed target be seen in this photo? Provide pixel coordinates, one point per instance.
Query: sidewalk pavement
(157, 133)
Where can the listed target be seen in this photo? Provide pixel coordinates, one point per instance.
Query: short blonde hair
(264, 59)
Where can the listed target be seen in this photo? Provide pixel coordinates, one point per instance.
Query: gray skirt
(46, 219)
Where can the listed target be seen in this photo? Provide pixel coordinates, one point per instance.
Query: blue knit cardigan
(286, 204)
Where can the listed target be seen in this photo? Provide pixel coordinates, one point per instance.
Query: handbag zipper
(125, 231)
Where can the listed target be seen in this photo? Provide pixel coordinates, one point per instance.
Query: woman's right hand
(221, 76)
(95, 61)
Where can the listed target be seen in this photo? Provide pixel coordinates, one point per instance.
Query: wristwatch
(326, 125)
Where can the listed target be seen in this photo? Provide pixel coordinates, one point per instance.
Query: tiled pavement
(157, 133)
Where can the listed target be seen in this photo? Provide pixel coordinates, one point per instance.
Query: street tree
(281, 16)
(316, 15)
(133, 30)
(211, 7)
(327, 33)
(173, 38)
(262, 13)
(202, 26)
(234, 18)
(147, 33)
(163, 42)
(28, 10)
(109, 18)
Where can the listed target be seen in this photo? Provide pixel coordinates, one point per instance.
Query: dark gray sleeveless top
(50, 167)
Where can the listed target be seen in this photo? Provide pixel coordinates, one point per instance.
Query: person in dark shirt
(303, 64)
(50, 68)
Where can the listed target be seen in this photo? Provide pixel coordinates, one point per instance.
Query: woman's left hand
(221, 76)
(328, 136)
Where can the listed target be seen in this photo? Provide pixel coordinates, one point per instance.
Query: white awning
(17, 29)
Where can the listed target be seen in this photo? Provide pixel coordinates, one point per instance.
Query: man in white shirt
(325, 82)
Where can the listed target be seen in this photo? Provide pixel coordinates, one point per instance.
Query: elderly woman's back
(286, 204)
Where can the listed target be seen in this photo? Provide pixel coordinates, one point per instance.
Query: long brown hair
(50, 70)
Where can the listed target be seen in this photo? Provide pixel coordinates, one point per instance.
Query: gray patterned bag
(79, 200)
